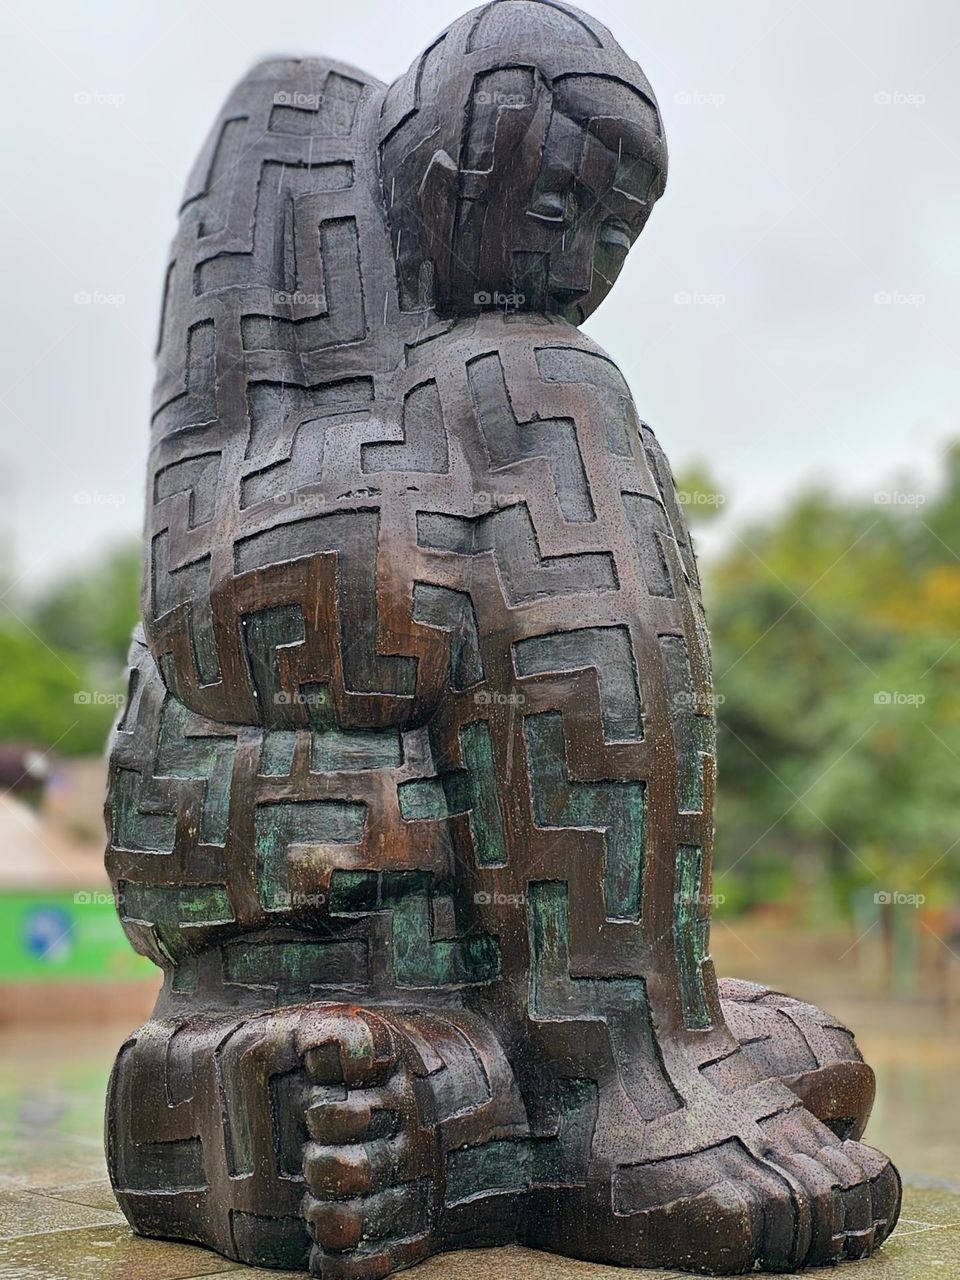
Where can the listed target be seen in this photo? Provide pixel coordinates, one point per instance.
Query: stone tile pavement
(69, 1231)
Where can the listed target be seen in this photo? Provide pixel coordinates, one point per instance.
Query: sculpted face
(521, 156)
(568, 179)
(597, 183)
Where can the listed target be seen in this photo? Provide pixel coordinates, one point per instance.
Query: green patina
(473, 790)
(694, 734)
(619, 1002)
(564, 1158)
(308, 822)
(332, 750)
(422, 800)
(419, 958)
(181, 754)
(342, 750)
(554, 992)
(494, 1166)
(506, 1165)
(615, 808)
(263, 633)
(276, 753)
(317, 701)
(691, 930)
(132, 828)
(549, 945)
(478, 791)
(169, 910)
(296, 964)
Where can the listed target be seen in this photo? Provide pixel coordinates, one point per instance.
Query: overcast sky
(789, 313)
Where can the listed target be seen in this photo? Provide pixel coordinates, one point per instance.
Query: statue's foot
(328, 1137)
(807, 1049)
(410, 1117)
(370, 1165)
(756, 1183)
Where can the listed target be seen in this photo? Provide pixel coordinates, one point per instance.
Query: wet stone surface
(47, 1247)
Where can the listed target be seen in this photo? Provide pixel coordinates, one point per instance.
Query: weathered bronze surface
(412, 797)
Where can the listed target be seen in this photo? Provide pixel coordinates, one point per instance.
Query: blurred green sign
(61, 936)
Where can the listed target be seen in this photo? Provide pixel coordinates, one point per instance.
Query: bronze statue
(412, 796)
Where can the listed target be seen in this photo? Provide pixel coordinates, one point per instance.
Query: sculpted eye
(635, 177)
(615, 235)
(549, 206)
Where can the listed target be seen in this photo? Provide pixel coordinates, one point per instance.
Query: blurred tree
(92, 613)
(836, 634)
(699, 494)
(62, 656)
(46, 698)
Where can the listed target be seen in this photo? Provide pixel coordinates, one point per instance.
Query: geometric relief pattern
(411, 800)
(608, 651)
(617, 808)
(692, 933)
(510, 535)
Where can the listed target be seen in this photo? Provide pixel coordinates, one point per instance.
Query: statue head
(521, 155)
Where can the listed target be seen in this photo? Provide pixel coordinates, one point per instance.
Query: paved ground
(72, 1230)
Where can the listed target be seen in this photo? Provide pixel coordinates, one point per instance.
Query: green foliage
(92, 614)
(836, 633)
(699, 494)
(38, 692)
(62, 657)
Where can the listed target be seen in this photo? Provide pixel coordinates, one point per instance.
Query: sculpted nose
(571, 263)
(571, 277)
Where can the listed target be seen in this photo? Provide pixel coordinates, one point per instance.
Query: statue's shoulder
(539, 348)
(527, 368)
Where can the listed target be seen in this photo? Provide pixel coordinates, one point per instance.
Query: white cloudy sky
(815, 163)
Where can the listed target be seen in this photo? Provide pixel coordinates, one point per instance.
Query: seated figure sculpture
(412, 796)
